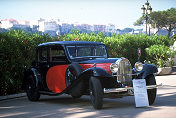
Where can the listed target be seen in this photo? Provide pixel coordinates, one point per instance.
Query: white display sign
(140, 93)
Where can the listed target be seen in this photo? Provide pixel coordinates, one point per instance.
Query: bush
(17, 50)
(160, 55)
(121, 45)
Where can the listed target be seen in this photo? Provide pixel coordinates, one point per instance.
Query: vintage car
(83, 68)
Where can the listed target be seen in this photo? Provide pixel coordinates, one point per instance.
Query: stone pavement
(65, 106)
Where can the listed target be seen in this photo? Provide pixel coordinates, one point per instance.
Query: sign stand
(140, 93)
(139, 53)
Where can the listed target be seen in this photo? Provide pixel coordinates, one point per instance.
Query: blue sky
(123, 13)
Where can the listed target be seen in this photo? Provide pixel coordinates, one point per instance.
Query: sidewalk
(12, 96)
(166, 81)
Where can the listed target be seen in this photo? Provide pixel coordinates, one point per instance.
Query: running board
(49, 93)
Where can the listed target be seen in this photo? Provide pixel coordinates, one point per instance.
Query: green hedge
(17, 50)
(122, 45)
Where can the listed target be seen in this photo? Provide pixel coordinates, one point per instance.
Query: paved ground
(65, 106)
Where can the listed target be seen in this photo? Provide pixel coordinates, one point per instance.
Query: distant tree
(127, 29)
(161, 20)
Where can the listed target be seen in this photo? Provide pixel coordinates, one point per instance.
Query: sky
(122, 13)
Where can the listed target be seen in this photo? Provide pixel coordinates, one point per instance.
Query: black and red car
(84, 68)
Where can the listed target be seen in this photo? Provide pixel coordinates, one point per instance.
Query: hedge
(122, 45)
(17, 50)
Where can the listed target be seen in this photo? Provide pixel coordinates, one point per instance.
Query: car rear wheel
(71, 74)
(96, 92)
(151, 92)
(31, 89)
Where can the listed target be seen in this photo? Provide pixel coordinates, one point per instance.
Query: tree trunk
(156, 32)
(169, 31)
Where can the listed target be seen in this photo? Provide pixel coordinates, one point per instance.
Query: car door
(43, 65)
(58, 63)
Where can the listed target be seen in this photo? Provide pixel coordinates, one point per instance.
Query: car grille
(124, 72)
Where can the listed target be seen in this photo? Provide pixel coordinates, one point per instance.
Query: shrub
(121, 45)
(160, 55)
(17, 50)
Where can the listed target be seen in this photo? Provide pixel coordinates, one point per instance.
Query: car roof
(71, 43)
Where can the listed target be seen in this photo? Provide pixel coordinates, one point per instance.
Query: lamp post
(0, 24)
(146, 11)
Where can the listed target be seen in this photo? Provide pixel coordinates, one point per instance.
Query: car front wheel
(96, 92)
(71, 74)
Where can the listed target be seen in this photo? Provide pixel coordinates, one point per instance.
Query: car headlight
(114, 68)
(138, 66)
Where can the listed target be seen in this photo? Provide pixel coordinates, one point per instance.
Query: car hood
(99, 60)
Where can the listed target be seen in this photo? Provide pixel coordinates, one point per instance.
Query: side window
(57, 54)
(42, 54)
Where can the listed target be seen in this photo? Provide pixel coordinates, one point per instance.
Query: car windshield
(88, 51)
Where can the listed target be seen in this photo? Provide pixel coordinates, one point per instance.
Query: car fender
(96, 72)
(36, 76)
(106, 79)
(147, 70)
(32, 72)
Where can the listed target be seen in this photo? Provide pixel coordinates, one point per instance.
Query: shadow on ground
(67, 107)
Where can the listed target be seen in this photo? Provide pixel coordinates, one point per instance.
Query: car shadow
(66, 106)
(84, 101)
(66, 100)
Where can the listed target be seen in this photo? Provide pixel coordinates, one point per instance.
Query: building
(66, 28)
(48, 26)
(137, 31)
(157, 31)
(8, 23)
(99, 28)
(111, 28)
(86, 28)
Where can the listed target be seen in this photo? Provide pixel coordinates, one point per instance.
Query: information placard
(140, 93)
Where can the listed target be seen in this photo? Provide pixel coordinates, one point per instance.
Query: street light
(146, 11)
(0, 24)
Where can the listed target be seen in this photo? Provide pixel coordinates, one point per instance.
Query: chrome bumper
(129, 90)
